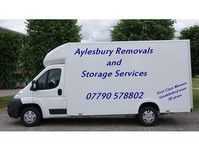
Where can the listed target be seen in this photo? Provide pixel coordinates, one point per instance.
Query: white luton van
(143, 78)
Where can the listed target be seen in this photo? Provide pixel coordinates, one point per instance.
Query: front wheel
(148, 116)
(30, 116)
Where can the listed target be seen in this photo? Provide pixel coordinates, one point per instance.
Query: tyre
(31, 116)
(148, 116)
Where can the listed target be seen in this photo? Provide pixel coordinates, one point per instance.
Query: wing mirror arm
(34, 85)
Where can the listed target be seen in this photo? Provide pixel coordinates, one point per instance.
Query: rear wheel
(148, 116)
(30, 116)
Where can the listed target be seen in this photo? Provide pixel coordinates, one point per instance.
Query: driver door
(49, 93)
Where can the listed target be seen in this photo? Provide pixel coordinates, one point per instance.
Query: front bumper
(13, 108)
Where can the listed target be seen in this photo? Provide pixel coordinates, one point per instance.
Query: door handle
(59, 91)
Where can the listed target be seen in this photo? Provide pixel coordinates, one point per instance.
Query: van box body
(153, 71)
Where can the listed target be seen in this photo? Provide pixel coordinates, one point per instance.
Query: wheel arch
(151, 104)
(31, 105)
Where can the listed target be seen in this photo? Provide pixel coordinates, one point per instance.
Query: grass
(4, 101)
(196, 99)
(195, 82)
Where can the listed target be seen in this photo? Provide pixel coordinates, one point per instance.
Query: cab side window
(41, 82)
(53, 78)
(49, 79)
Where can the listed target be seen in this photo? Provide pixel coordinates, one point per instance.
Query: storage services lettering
(81, 52)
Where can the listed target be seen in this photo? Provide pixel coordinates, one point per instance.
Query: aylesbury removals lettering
(116, 51)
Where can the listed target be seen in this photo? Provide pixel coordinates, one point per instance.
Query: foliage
(10, 44)
(139, 29)
(43, 36)
(192, 33)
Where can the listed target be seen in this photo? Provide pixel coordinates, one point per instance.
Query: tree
(127, 30)
(10, 44)
(192, 33)
(43, 36)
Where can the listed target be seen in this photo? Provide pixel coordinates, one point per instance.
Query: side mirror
(26, 83)
(34, 85)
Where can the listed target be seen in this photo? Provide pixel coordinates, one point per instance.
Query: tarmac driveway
(172, 122)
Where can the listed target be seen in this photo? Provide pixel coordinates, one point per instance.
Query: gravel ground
(171, 122)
